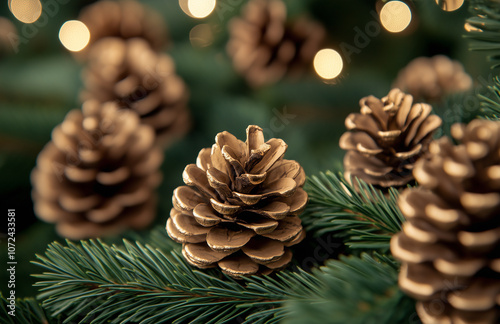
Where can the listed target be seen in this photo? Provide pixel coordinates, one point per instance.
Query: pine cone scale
(264, 251)
(200, 253)
(176, 235)
(227, 240)
(258, 225)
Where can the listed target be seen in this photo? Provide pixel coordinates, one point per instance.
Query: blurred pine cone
(264, 47)
(132, 74)
(123, 19)
(240, 208)
(386, 139)
(450, 243)
(430, 79)
(98, 174)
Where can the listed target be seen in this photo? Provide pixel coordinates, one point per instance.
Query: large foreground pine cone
(450, 243)
(264, 47)
(430, 79)
(132, 74)
(240, 208)
(98, 175)
(123, 19)
(386, 139)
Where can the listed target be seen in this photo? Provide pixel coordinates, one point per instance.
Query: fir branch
(27, 311)
(490, 105)
(366, 219)
(484, 29)
(137, 283)
(353, 290)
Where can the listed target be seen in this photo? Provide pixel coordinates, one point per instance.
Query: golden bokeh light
(74, 35)
(197, 8)
(26, 11)
(395, 16)
(201, 35)
(450, 5)
(328, 63)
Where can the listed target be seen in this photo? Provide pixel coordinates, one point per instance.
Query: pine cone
(240, 208)
(450, 243)
(131, 73)
(430, 79)
(123, 19)
(98, 174)
(264, 47)
(386, 139)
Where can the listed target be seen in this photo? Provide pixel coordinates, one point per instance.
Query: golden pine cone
(386, 139)
(123, 19)
(132, 74)
(430, 79)
(450, 243)
(264, 47)
(240, 207)
(98, 175)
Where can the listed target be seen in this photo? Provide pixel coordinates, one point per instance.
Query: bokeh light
(197, 8)
(328, 63)
(449, 5)
(74, 35)
(395, 16)
(26, 11)
(201, 35)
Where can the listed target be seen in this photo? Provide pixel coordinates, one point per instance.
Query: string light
(26, 11)
(395, 16)
(197, 8)
(328, 63)
(449, 5)
(74, 35)
(201, 35)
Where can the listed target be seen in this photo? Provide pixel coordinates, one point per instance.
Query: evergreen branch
(367, 219)
(490, 105)
(353, 290)
(137, 283)
(484, 29)
(27, 311)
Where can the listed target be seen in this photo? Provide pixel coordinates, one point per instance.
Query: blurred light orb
(197, 8)
(395, 16)
(201, 35)
(26, 11)
(449, 5)
(328, 63)
(74, 35)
